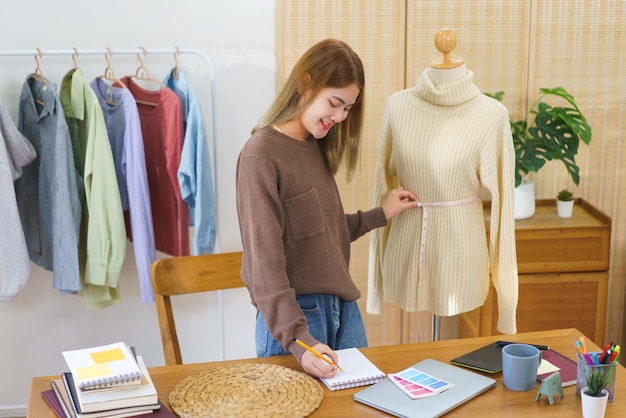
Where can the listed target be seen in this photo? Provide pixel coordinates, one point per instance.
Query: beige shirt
(445, 144)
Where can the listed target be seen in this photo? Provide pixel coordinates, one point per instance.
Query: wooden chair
(189, 274)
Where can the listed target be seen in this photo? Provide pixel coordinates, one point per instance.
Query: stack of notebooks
(108, 381)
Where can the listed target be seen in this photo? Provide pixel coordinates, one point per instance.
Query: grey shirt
(47, 193)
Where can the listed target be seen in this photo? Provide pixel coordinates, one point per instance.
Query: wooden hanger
(142, 73)
(38, 75)
(109, 75)
(74, 56)
(176, 69)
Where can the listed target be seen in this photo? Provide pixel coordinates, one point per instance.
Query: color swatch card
(411, 389)
(417, 384)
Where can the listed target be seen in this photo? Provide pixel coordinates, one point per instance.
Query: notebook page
(358, 370)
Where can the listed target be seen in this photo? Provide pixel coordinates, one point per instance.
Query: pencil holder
(607, 370)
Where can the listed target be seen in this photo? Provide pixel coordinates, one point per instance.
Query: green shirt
(103, 233)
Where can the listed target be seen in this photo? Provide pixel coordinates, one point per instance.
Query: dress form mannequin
(446, 142)
(443, 70)
(447, 68)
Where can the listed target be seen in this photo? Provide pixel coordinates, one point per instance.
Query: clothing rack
(38, 53)
(75, 52)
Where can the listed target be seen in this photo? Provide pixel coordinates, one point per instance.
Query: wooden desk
(497, 401)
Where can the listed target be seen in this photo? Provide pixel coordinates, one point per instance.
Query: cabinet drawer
(546, 243)
(562, 250)
(554, 301)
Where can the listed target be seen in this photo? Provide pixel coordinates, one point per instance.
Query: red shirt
(163, 133)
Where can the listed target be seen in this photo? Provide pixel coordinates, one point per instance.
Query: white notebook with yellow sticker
(103, 367)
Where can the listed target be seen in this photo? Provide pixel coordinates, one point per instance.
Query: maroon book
(54, 403)
(567, 367)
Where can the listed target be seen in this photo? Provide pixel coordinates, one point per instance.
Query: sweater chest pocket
(304, 215)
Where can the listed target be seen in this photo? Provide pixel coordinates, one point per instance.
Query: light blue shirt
(194, 173)
(51, 221)
(124, 128)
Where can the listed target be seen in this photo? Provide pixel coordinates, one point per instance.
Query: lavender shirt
(124, 129)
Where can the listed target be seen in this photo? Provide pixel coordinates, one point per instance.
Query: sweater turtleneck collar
(449, 94)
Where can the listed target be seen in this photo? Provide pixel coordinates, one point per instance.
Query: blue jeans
(332, 321)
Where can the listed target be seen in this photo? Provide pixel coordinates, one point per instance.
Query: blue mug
(520, 363)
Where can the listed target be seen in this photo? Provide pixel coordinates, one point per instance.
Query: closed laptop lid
(388, 397)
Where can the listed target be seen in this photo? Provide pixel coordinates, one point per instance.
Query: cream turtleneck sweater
(445, 143)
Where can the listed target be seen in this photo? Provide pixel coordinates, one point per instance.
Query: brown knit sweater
(295, 234)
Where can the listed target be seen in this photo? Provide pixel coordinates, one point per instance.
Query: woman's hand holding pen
(316, 366)
(397, 201)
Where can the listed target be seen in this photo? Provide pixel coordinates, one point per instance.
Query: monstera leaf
(549, 133)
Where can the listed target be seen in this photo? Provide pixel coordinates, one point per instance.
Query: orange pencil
(317, 353)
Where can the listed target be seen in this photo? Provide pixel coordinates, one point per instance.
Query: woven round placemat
(246, 390)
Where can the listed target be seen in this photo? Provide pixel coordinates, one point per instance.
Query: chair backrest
(189, 274)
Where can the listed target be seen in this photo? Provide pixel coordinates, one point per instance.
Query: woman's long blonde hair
(328, 63)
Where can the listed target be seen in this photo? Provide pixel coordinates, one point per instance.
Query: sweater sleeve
(385, 179)
(503, 259)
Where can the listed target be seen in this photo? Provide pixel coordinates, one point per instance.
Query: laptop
(387, 397)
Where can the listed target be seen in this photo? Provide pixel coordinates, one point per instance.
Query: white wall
(238, 36)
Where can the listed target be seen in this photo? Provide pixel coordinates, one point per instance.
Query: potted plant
(547, 133)
(594, 395)
(564, 203)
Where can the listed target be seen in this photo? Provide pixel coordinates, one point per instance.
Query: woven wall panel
(515, 46)
(492, 39)
(377, 35)
(579, 45)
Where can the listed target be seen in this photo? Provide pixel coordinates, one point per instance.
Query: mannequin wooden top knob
(445, 42)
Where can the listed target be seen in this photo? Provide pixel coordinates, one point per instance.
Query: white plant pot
(593, 406)
(564, 208)
(524, 200)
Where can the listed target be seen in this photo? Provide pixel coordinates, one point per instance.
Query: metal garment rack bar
(134, 51)
(38, 53)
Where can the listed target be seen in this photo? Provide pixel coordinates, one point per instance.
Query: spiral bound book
(103, 367)
(358, 370)
(553, 361)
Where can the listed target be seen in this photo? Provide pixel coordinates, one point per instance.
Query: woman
(296, 236)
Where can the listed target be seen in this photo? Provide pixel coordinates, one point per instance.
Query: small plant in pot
(594, 395)
(565, 203)
(565, 196)
(596, 380)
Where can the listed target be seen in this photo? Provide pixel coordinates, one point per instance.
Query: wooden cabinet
(563, 268)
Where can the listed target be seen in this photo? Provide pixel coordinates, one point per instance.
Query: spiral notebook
(103, 367)
(358, 370)
(553, 361)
